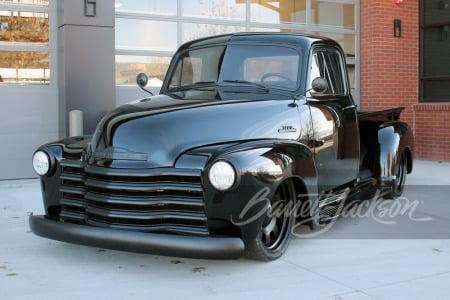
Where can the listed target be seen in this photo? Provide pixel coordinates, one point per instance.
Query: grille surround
(159, 200)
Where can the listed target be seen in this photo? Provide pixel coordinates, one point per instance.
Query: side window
(318, 68)
(328, 64)
(336, 66)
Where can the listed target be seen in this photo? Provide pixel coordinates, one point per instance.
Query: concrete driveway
(398, 256)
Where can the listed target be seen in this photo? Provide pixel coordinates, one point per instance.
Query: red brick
(390, 74)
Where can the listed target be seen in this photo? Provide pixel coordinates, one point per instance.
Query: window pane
(188, 71)
(218, 9)
(197, 65)
(282, 11)
(351, 76)
(26, 2)
(436, 90)
(333, 14)
(278, 71)
(337, 71)
(23, 66)
(162, 7)
(328, 65)
(435, 12)
(193, 31)
(145, 34)
(436, 53)
(127, 68)
(347, 41)
(19, 26)
(270, 65)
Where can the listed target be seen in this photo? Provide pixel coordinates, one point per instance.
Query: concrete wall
(86, 61)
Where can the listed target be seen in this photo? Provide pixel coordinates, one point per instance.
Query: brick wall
(389, 65)
(432, 131)
(390, 74)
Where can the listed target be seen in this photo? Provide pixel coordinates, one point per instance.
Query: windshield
(214, 72)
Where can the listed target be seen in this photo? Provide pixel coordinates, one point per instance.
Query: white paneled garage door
(28, 89)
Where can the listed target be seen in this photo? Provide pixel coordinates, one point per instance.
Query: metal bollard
(75, 123)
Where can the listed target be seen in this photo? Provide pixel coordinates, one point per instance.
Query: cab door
(335, 134)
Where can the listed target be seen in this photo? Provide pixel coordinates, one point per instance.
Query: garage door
(28, 94)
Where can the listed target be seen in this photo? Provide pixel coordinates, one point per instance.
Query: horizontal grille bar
(72, 163)
(72, 190)
(171, 228)
(146, 215)
(143, 186)
(148, 173)
(80, 203)
(144, 201)
(74, 215)
(72, 177)
(149, 200)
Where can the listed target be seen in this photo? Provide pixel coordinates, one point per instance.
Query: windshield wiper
(250, 83)
(194, 86)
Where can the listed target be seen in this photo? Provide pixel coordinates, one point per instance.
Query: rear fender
(394, 138)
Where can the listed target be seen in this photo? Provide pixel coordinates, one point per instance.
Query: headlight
(222, 175)
(41, 163)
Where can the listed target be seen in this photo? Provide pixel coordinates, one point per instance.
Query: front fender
(67, 148)
(261, 166)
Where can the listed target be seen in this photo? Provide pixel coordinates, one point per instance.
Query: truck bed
(391, 114)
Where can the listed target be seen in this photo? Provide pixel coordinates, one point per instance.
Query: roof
(299, 39)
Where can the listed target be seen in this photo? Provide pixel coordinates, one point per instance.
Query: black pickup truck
(245, 125)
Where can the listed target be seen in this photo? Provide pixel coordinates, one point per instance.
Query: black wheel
(275, 234)
(401, 169)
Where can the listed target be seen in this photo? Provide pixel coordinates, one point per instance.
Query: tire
(401, 169)
(275, 233)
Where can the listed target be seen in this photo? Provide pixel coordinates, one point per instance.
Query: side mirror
(141, 80)
(319, 85)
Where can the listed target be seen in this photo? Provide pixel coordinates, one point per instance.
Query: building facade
(59, 56)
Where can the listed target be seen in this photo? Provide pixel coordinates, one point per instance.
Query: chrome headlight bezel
(42, 163)
(222, 175)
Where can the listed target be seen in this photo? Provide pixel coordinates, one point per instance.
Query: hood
(154, 132)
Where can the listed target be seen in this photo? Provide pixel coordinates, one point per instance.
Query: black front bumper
(151, 243)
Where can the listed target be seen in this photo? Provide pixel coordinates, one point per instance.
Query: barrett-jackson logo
(116, 153)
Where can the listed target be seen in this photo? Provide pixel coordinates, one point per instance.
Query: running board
(331, 206)
(332, 199)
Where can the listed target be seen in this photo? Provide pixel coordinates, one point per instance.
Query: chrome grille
(149, 200)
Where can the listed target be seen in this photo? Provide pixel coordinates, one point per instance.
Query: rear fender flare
(394, 139)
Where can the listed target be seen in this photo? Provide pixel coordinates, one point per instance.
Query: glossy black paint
(140, 183)
(147, 127)
(154, 243)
